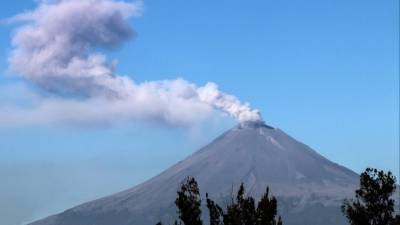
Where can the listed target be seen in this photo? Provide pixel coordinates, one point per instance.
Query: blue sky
(325, 72)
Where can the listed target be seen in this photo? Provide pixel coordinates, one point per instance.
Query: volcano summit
(309, 187)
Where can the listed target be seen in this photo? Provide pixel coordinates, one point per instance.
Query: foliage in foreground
(242, 210)
(373, 203)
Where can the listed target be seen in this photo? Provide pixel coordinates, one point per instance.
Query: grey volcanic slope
(309, 187)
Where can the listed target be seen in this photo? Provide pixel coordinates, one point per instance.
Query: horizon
(326, 74)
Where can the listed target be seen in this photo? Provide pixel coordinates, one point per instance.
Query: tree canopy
(373, 203)
(242, 210)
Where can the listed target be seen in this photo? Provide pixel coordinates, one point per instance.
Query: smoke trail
(54, 48)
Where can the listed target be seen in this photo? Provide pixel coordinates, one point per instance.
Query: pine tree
(188, 202)
(396, 220)
(215, 212)
(242, 211)
(246, 206)
(373, 204)
(267, 210)
(248, 209)
(233, 215)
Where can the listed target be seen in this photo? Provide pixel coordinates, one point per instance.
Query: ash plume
(54, 47)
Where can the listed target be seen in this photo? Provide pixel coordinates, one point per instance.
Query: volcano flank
(309, 187)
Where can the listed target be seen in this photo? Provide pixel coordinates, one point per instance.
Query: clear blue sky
(325, 72)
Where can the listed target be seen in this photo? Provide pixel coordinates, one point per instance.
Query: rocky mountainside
(309, 187)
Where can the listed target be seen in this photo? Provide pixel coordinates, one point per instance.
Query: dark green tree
(188, 202)
(234, 215)
(267, 210)
(215, 211)
(247, 208)
(373, 203)
(396, 220)
(243, 211)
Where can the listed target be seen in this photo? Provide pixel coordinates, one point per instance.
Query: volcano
(309, 187)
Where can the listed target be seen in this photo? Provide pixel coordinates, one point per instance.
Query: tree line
(373, 204)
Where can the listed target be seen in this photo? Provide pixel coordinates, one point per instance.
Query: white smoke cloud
(54, 48)
(228, 103)
(155, 101)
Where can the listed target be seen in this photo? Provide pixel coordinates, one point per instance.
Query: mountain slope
(309, 187)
